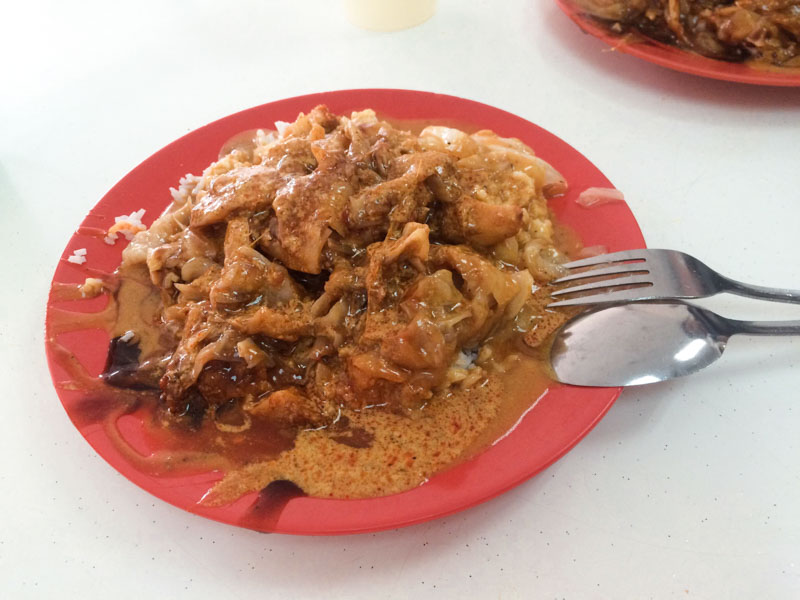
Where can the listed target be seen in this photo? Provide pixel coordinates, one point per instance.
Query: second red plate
(682, 60)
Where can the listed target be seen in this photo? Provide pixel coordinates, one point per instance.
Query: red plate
(682, 60)
(562, 416)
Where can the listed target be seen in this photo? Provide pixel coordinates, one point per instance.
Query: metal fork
(653, 275)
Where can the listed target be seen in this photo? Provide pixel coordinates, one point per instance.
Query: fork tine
(606, 283)
(616, 269)
(607, 258)
(607, 298)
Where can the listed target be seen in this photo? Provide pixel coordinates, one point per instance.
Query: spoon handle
(764, 327)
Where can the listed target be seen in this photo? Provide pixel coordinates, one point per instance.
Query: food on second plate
(760, 31)
(342, 304)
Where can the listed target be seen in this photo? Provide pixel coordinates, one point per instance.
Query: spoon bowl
(646, 342)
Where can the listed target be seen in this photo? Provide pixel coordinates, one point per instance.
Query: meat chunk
(419, 345)
(290, 406)
(307, 210)
(478, 222)
(204, 339)
(289, 324)
(249, 278)
(403, 189)
(492, 294)
(245, 189)
(413, 244)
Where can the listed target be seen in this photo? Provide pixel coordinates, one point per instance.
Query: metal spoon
(643, 342)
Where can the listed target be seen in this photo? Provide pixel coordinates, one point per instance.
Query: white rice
(134, 219)
(464, 360)
(185, 187)
(78, 256)
(264, 137)
(464, 371)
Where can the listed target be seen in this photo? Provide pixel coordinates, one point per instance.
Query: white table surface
(688, 489)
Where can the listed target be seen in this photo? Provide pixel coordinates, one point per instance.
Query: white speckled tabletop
(688, 489)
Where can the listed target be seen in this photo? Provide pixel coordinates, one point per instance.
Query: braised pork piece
(338, 265)
(761, 31)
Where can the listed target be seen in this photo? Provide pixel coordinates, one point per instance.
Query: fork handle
(763, 327)
(757, 291)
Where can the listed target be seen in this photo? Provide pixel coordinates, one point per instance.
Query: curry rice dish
(341, 304)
